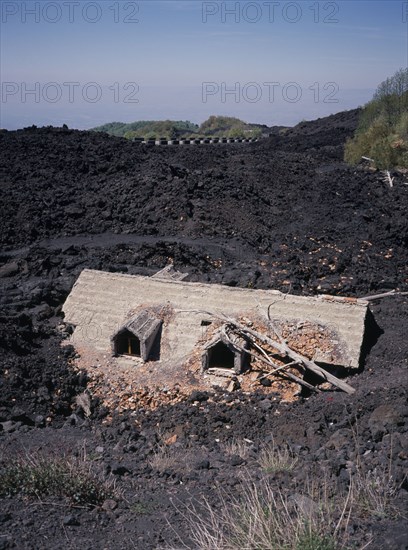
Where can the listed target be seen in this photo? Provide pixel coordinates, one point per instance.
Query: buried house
(165, 321)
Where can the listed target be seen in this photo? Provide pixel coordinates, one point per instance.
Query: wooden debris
(279, 344)
(233, 386)
(307, 363)
(274, 371)
(278, 369)
(228, 373)
(384, 295)
(388, 179)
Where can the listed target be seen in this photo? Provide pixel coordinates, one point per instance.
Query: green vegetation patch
(41, 477)
(382, 134)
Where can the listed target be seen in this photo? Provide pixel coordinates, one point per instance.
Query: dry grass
(169, 457)
(236, 447)
(274, 458)
(374, 491)
(265, 518)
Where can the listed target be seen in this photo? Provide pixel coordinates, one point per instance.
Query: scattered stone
(236, 460)
(171, 440)
(219, 382)
(384, 419)
(72, 420)
(202, 465)
(71, 520)
(39, 421)
(10, 426)
(9, 269)
(74, 211)
(340, 439)
(68, 351)
(265, 405)
(199, 396)
(233, 386)
(4, 516)
(109, 505)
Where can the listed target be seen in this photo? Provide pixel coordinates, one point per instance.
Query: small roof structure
(219, 343)
(101, 304)
(144, 327)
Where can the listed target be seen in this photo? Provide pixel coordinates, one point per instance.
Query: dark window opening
(205, 323)
(221, 357)
(127, 344)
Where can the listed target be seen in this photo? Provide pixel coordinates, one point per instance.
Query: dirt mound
(283, 213)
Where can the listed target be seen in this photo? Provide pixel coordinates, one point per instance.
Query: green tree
(382, 133)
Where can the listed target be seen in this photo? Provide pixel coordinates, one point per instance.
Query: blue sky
(86, 63)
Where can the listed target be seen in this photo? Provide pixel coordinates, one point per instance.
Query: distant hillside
(215, 126)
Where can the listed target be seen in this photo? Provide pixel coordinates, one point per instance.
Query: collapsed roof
(102, 304)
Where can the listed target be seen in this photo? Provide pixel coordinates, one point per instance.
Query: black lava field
(285, 213)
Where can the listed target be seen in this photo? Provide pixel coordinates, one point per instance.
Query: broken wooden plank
(229, 373)
(279, 370)
(384, 295)
(287, 351)
(281, 367)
